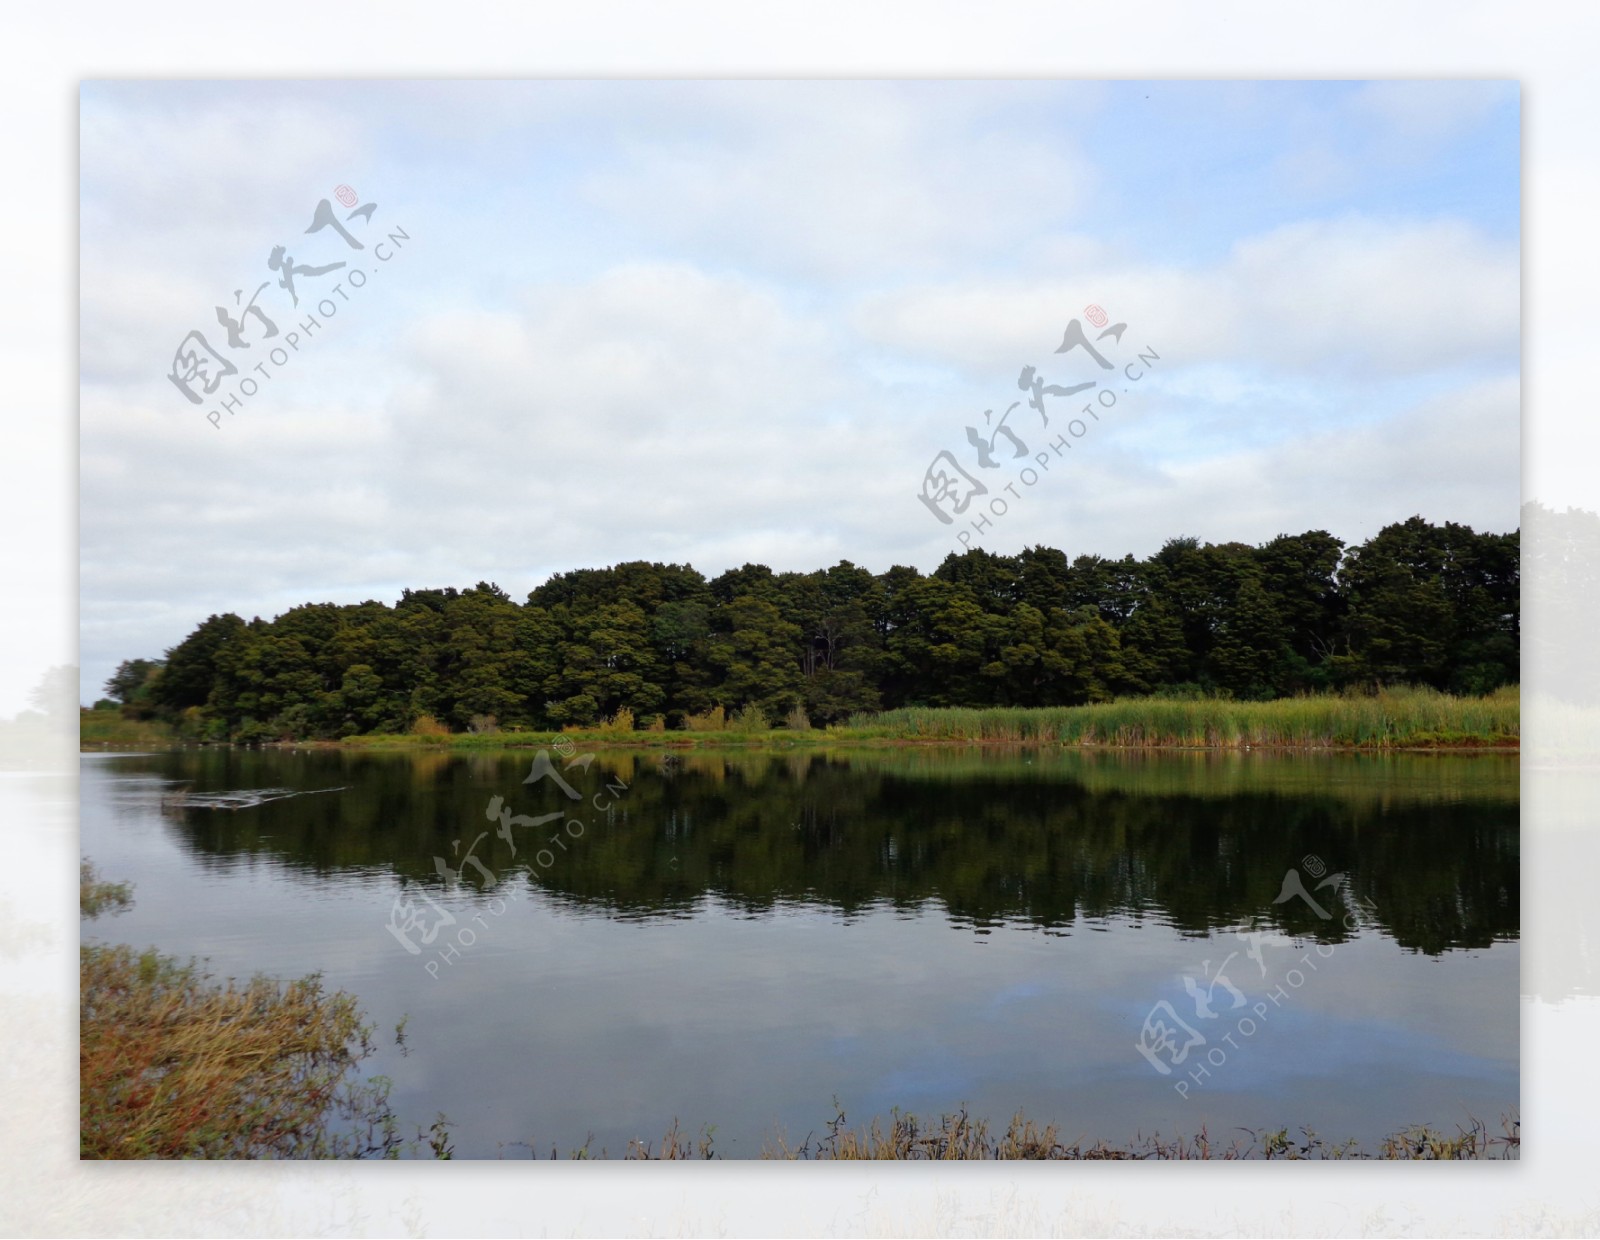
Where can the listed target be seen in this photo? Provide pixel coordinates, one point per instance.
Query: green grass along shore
(1401, 718)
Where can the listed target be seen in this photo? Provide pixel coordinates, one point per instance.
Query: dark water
(737, 940)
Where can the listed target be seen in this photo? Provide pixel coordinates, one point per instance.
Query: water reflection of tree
(1045, 846)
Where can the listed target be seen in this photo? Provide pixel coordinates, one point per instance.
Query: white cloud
(1430, 111)
(850, 181)
(1447, 458)
(1350, 297)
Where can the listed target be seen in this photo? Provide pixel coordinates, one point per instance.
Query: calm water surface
(738, 939)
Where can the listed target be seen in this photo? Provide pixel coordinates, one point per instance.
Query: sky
(722, 322)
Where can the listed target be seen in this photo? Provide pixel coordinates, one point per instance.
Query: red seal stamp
(346, 195)
(1094, 314)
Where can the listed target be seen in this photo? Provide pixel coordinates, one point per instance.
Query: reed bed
(1395, 718)
(99, 729)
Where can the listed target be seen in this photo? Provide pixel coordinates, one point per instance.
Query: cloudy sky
(722, 322)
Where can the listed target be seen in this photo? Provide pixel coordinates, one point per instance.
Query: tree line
(1417, 603)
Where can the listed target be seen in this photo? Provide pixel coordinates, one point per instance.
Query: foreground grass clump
(960, 1138)
(173, 1064)
(1391, 718)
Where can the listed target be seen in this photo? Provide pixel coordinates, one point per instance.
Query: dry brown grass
(713, 720)
(959, 1137)
(173, 1064)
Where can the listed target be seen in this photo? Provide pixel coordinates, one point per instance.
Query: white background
(47, 52)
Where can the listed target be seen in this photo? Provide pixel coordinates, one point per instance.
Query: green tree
(130, 682)
(190, 673)
(1250, 655)
(941, 642)
(1056, 658)
(480, 664)
(606, 662)
(1154, 653)
(1399, 619)
(756, 654)
(1300, 573)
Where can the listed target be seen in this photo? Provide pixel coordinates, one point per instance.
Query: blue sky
(720, 322)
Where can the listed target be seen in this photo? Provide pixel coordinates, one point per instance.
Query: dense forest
(1418, 603)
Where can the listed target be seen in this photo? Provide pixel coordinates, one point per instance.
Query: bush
(427, 725)
(713, 720)
(252, 732)
(797, 720)
(622, 721)
(294, 723)
(751, 718)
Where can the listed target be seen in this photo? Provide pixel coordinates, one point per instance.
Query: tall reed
(1391, 718)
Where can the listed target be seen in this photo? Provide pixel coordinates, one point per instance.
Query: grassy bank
(175, 1064)
(1404, 718)
(1391, 719)
(1399, 718)
(99, 729)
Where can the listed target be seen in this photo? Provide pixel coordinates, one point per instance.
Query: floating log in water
(245, 798)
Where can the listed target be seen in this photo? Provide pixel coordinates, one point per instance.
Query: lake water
(738, 939)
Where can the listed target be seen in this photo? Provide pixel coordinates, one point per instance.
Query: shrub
(797, 720)
(713, 720)
(427, 725)
(751, 718)
(253, 732)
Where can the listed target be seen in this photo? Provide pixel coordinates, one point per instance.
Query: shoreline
(779, 742)
(1395, 720)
